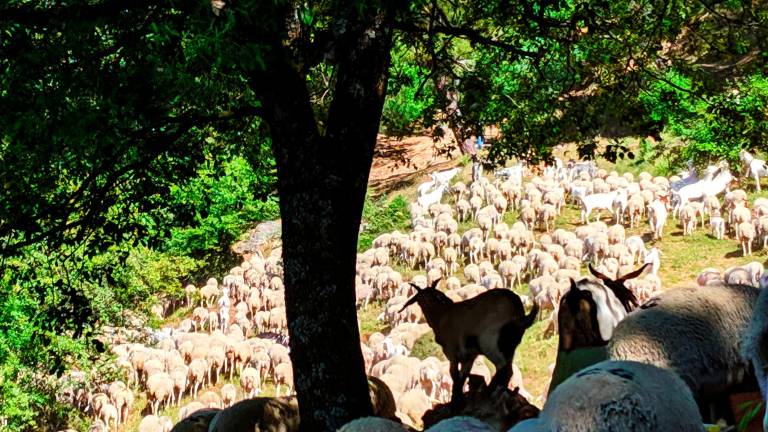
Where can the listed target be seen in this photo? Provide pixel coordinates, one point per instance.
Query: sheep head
(431, 300)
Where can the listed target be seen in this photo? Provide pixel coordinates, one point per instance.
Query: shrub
(380, 216)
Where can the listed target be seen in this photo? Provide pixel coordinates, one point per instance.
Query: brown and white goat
(586, 317)
(491, 324)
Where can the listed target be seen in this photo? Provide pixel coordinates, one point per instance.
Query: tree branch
(471, 35)
(30, 14)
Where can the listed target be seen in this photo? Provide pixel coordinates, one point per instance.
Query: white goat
(444, 177)
(432, 197)
(657, 217)
(757, 169)
(709, 186)
(595, 202)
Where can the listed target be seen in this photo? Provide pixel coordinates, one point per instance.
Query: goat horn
(634, 274)
(434, 284)
(418, 288)
(598, 274)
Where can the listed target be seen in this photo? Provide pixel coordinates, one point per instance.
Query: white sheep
(258, 414)
(754, 346)
(693, 331)
(657, 217)
(618, 396)
(373, 424)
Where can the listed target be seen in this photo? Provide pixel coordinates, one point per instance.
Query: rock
(501, 409)
(257, 237)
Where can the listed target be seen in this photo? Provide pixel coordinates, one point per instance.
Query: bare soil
(399, 163)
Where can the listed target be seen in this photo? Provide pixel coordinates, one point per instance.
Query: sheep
(228, 395)
(267, 414)
(688, 219)
(618, 396)
(653, 257)
(692, 331)
(657, 217)
(754, 345)
(746, 235)
(153, 423)
(373, 424)
(159, 391)
(491, 324)
(283, 376)
(717, 224)
(250, 381)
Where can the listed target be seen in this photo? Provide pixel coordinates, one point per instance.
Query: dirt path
(398, 163)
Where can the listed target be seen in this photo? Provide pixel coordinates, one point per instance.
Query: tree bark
(322, 184)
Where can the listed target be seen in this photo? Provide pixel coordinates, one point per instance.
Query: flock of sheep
(220, 338)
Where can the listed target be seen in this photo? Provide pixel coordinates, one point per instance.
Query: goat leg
(501, 378)
(457, 392)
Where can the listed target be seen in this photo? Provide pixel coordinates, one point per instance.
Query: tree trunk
(322, 184)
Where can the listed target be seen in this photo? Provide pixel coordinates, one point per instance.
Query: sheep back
(264, 414)
(694, 331)
(754, 345)
(620, 395)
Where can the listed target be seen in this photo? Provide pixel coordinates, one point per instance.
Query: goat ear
(598, 274)
(410, 301)
(434, 284)
(633, 274)
(418, 288)
(573, 284)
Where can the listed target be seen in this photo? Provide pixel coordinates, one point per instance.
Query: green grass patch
(383, 215)
(426, 346)
(368, 319)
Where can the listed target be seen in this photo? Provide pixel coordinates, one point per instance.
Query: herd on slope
(249, 300)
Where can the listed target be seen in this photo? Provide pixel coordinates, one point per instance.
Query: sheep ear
(418, 288)
(598, 274)
(633, 274)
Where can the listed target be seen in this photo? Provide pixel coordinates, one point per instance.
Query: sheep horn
(598, 274)
(418, 288)
(634, 274)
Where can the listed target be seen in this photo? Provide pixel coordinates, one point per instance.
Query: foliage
(51, 302)
(212, 210)
(380, 216)
(409, 99)
(715, 124)
(749, 411)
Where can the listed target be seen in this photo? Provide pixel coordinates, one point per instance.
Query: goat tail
(531, 317)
